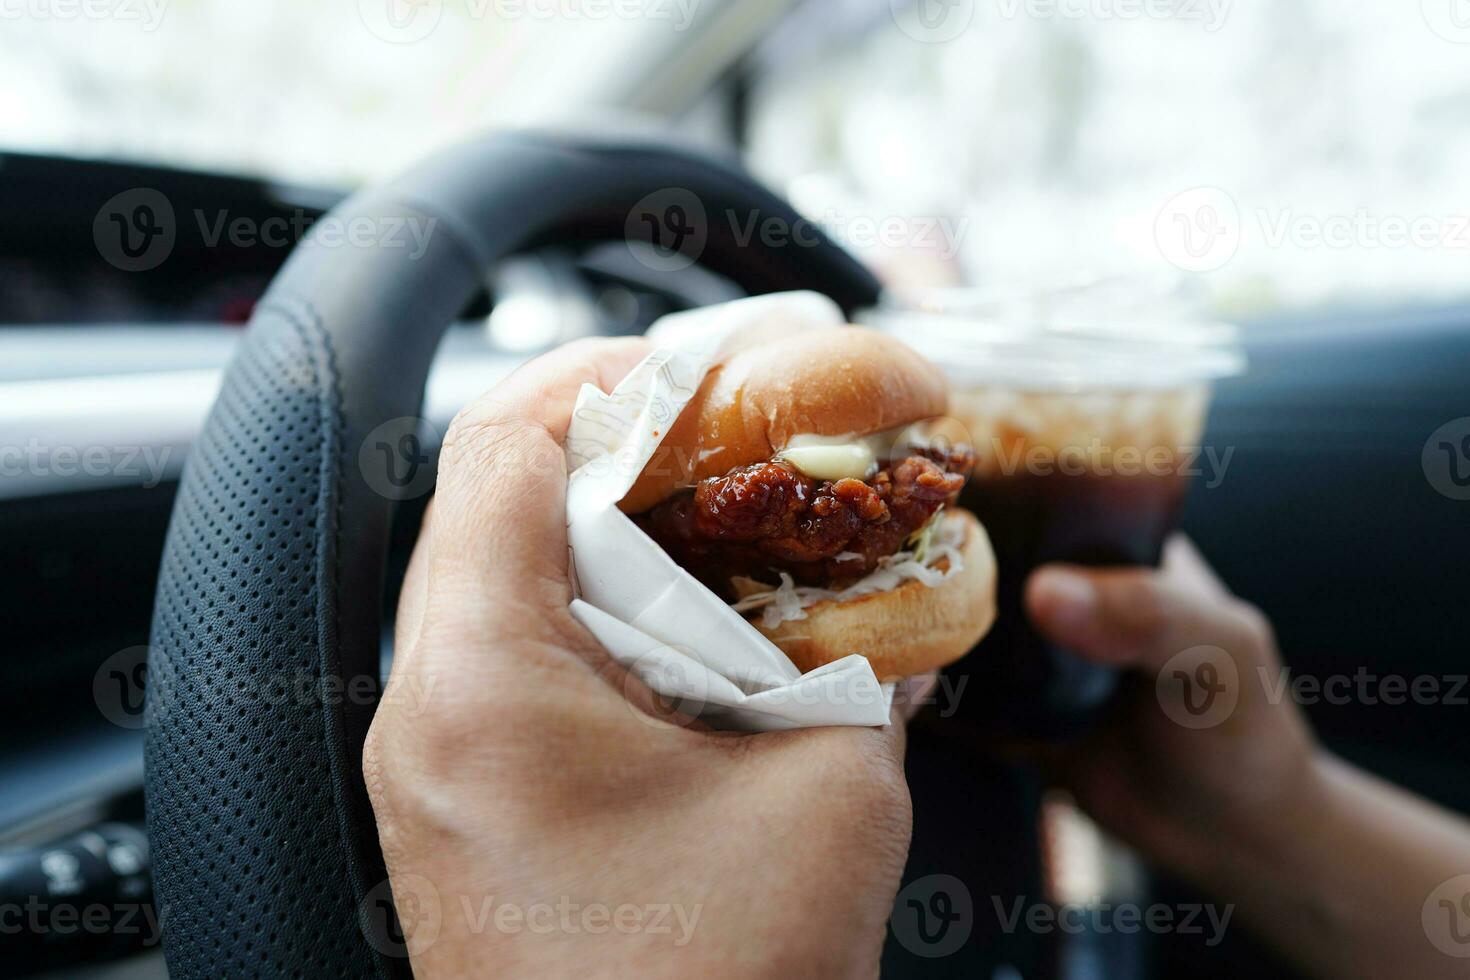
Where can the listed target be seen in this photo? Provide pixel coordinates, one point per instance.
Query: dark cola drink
(1094, 478)
(1086, 436)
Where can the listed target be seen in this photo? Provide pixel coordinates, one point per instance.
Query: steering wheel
(264, 667)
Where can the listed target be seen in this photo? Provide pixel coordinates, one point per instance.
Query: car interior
(1030, 148)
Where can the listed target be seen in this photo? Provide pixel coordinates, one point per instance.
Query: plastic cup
(1086, 415)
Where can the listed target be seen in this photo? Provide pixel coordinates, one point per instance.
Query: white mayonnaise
(845, 457)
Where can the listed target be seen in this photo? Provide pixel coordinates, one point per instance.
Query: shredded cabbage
(937, 539)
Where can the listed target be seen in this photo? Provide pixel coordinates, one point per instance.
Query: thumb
(1131, 617)
(499, 524)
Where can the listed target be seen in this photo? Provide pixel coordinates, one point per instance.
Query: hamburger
(806, 485)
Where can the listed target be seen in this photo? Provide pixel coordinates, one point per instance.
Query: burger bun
(911, 629)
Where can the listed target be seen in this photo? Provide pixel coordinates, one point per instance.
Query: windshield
(336, 93)
(1277, 155)
(1273, 156)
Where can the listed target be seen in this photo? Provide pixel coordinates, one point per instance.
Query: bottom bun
(912, 629)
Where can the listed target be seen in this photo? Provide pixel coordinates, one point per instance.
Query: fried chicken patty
(759, 520)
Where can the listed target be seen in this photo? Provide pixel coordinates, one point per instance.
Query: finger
(1137, 617)
(1184, 565)
(909, 696)
(912, 695)
(413, 598)
(408, 626)
(895, 736)
(887, 742)
(500, 510)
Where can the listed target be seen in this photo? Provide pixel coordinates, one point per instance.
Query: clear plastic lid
(1095, 334)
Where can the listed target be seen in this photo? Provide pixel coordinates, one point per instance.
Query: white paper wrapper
(651, 615)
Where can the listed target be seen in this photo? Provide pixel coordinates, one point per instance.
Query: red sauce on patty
(759, 520)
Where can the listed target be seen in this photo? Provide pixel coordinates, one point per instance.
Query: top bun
(839, 382)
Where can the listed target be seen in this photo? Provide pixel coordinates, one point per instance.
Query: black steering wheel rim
(264, 664)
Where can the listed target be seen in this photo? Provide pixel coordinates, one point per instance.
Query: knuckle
(441, 731)
(887, 791)
(1139, 606)
(418, 769)
(458, 723)
(860, 764)
(486, 431)
(432, 760)
(381, 761)
(488, 439)
(585, 352)
(1255, 626)
(864, 786)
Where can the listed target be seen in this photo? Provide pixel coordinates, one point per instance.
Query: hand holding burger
(805, 484)
(512, 764)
